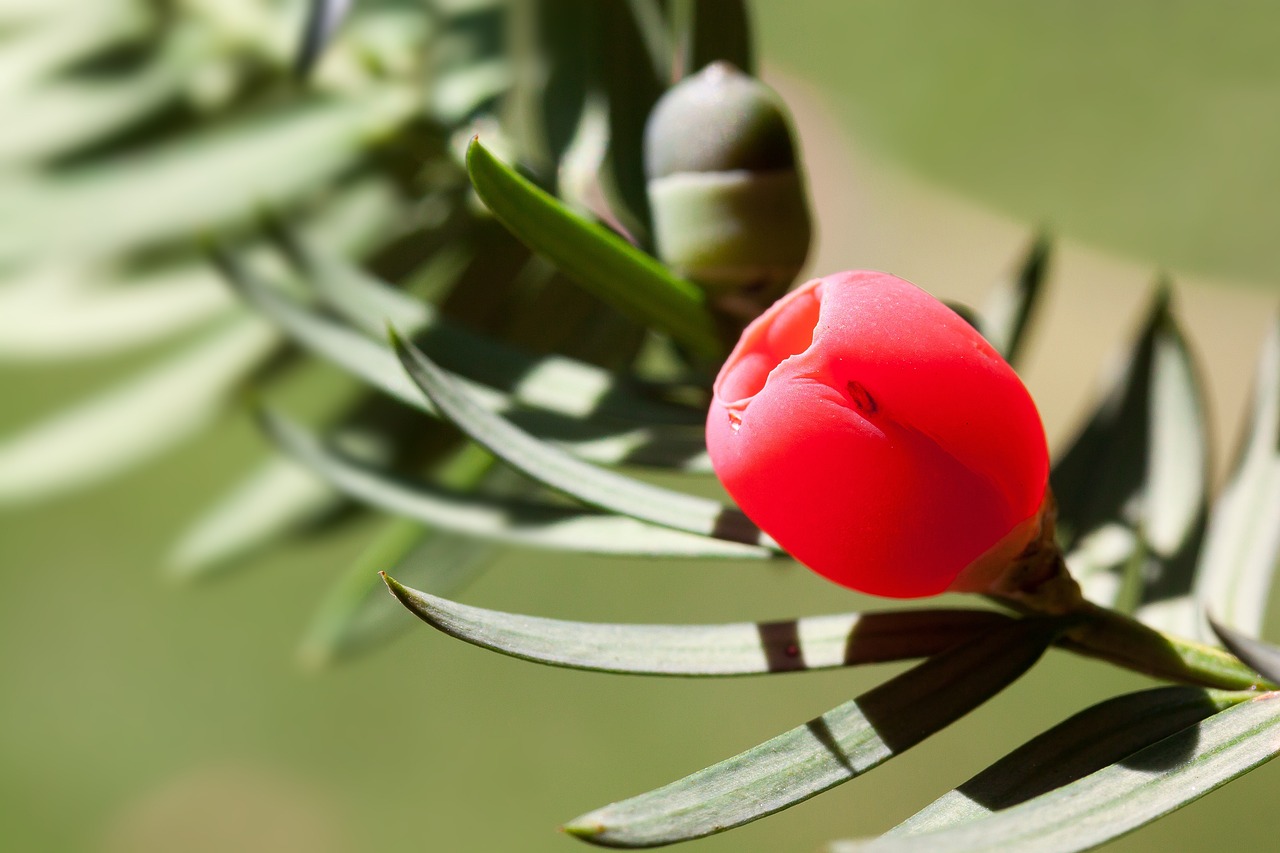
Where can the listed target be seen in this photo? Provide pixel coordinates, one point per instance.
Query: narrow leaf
(368, 302)
(841, 744)
(552, 382)
(42, 12)
(652, 32)
(711, 31)
(578, 176)
(629, 86)
(60, 116)
(470, 89)
(1089, 741)
(552, 43)
(1242, 546)
(467, 64)
(63, 310)
(555, 387)
(356, 614)
(1104, 466)
(1142, 462)
(324, 17)
(499, 520)
(35, 51)
(1263, 657)
(198, 184)
(277, 497)
(559, 470)
(138, 419)
(748, 648)
(1011, 306)
(600, 261)
(1175, 494)
(1101, 559)
(1119, 798)
(67, 313)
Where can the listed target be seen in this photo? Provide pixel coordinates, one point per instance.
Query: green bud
(728, 197)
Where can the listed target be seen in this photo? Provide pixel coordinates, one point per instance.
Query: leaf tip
(1264, 658)
(397, 589)
(1163, 291)
(1040, 251)
(584, 828)
(473, 147)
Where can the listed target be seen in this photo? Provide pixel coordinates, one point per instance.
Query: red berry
(879, 438)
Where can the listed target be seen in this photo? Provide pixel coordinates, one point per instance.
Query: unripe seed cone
(879, 439)
(728, 199)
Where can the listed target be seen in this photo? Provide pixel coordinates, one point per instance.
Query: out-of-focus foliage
(320, 145)
(317, 160)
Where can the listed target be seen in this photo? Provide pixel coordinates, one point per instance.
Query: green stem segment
(1037, 583)
(1114, 637)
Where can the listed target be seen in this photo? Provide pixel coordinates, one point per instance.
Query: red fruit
(879, 438)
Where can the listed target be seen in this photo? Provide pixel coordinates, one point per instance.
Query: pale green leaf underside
(605, 441)
(554, 468)
(543, 381)
(1118, 799)
(747, 648)
(1242, 546)
(1176, 493)
(137, 419)
(510, 521)
(841, 744)
(64, 313)
(224, 176)
(61, 115)
(366, 301)
(463, 90)
(35, 52)
(1177, 458)
(163, 404)
(276, 497)
(1141, 465)
(1090, 740)
(599, 260)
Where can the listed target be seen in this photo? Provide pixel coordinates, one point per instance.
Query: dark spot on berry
(862, 398)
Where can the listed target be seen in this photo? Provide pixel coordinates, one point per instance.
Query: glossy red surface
(877, 436)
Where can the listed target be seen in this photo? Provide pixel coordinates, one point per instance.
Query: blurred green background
(1144, 127)
(136, 716)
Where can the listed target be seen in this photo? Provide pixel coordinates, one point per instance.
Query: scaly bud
(728, 198)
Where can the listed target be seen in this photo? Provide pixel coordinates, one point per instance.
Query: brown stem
(1038, 583)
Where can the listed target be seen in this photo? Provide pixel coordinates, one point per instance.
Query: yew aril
(880, 439)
